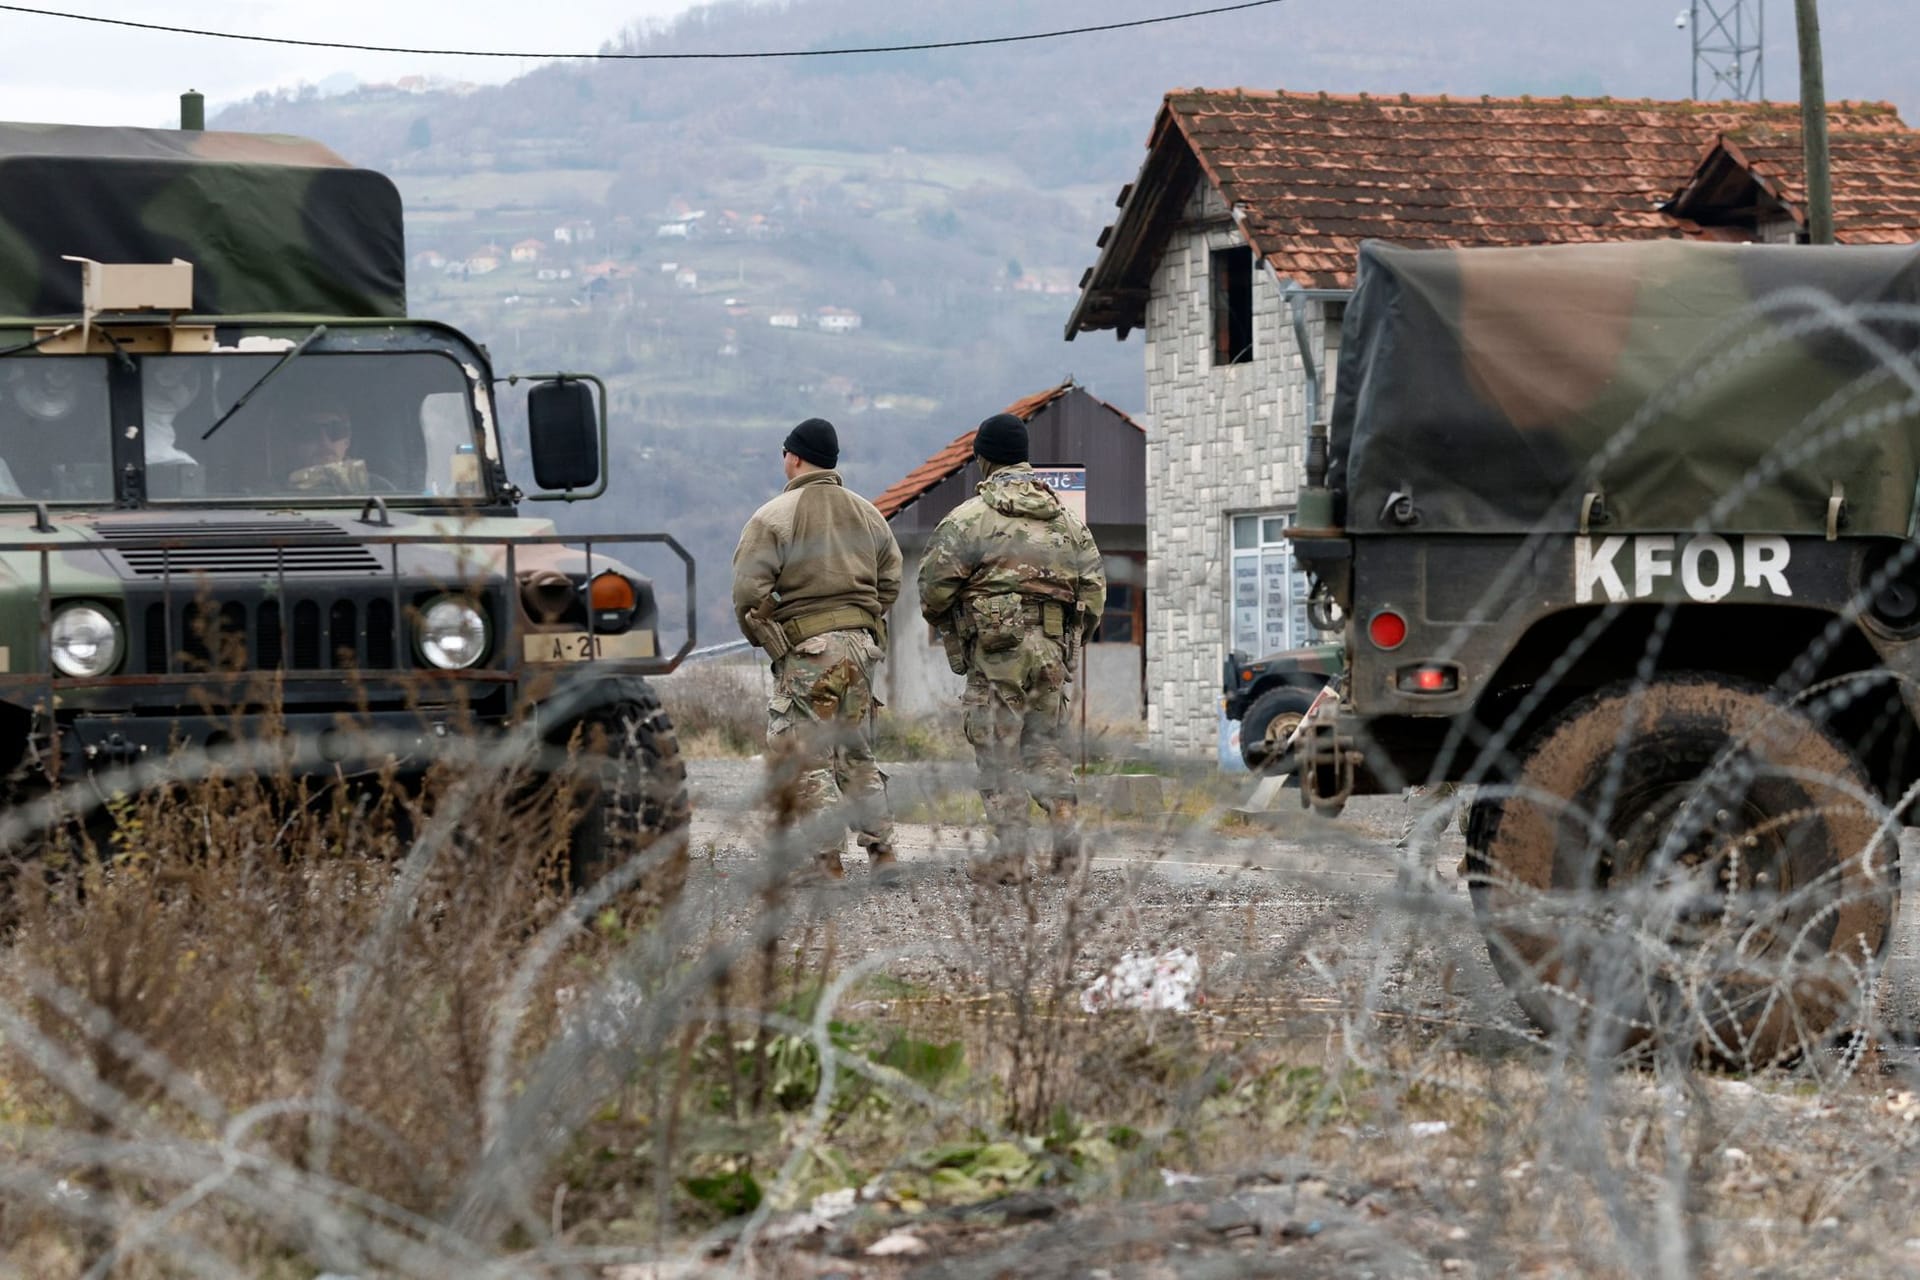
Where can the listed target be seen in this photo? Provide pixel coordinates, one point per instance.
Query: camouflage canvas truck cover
(1625, 535)
(242, 490)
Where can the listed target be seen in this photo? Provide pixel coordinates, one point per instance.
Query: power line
(639, 57)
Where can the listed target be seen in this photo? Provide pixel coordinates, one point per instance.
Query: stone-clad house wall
(1223, 440)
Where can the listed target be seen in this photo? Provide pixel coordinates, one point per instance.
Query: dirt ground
(1549, 1167)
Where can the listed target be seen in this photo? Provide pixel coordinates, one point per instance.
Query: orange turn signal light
(610, 591)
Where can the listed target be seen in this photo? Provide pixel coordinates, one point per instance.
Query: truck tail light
(1428, 677)
(1387, 630)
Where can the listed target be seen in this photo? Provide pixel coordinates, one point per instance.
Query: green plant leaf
(729, 1194)
(924, 1062)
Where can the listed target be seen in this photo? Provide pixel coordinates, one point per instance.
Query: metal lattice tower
(1728, 49)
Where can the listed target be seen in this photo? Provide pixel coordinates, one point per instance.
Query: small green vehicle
(1627, 536)
(241, 489)
(1270, 696)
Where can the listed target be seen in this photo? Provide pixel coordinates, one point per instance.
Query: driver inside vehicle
(316, 452)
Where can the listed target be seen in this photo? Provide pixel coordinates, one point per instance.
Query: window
(1269, 589)
(332, 424)
(1232, 303)
(56, 436)
(1124, 620)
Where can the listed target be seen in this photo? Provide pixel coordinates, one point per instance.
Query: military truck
(1270, 695)
(243, 491)
(1625, 534)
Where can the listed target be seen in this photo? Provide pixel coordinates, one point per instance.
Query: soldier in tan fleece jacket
(814, 575)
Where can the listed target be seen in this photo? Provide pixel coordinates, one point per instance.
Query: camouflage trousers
(1016, 712)
(817, 730)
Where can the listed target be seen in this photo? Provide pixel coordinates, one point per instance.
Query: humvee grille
(244, 548)
(336, 635)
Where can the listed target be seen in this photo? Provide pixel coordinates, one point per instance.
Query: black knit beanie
(814, 441)
(1001, 439)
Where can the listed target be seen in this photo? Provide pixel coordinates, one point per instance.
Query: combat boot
(826, 868)
(883, 863)
(1069, 853)
(1007, 863)
(1000, 869)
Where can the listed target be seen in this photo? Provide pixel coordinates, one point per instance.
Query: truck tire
(637, 797)
(1686, 863)
(1268, 722)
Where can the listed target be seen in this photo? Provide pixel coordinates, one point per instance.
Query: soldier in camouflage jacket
(1013, 581)
(816, 570)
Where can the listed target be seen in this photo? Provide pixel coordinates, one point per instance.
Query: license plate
(578, 646)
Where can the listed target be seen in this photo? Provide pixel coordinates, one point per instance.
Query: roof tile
(1315, 174)
(948, 461)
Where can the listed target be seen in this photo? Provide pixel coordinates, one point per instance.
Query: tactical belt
(849, 617)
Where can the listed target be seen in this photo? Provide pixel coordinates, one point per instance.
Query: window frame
(1257, 552)
(1230, 305)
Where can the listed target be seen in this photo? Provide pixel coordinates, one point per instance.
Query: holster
(768, 635)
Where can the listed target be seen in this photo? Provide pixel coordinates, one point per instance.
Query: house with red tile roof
(1095, 455)
(1234, 252)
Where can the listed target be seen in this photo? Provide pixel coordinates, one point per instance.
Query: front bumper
(338, 741)
(363, 742)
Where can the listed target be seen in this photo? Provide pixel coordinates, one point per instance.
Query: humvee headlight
(453, 634)
(85, 641)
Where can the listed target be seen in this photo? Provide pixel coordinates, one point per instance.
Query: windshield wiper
(292, 353)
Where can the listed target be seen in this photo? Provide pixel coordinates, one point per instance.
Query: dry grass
(264, 1029)
(718, 708)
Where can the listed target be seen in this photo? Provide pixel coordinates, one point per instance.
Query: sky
(53, 69)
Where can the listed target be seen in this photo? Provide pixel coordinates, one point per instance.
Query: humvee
(1625, 534)
(1270, 695)
(242, 490)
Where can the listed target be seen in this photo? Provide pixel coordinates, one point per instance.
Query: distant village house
(836, 320)
(1234, 253)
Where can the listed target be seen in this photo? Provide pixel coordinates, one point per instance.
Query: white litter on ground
(834, 1204)
(899, 1243)
(1427, 1128)
(1169, 980)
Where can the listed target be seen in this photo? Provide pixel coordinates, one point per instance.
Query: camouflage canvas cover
(1739, 386)
(272, 224)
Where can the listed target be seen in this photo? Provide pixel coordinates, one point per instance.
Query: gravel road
(1288, 883)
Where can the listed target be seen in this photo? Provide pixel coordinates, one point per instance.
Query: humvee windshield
(326, 426)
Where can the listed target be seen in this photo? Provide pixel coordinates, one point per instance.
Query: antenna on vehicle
(193, 111)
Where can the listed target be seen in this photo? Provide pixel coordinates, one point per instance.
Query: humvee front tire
(1686, 862)
(1268, 723)
(635, 801)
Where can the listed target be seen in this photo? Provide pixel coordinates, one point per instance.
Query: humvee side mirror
(567, 435)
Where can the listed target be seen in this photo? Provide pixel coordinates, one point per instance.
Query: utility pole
(1729, 47)
(1813, 124)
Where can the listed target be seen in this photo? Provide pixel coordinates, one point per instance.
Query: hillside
(890, 242)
